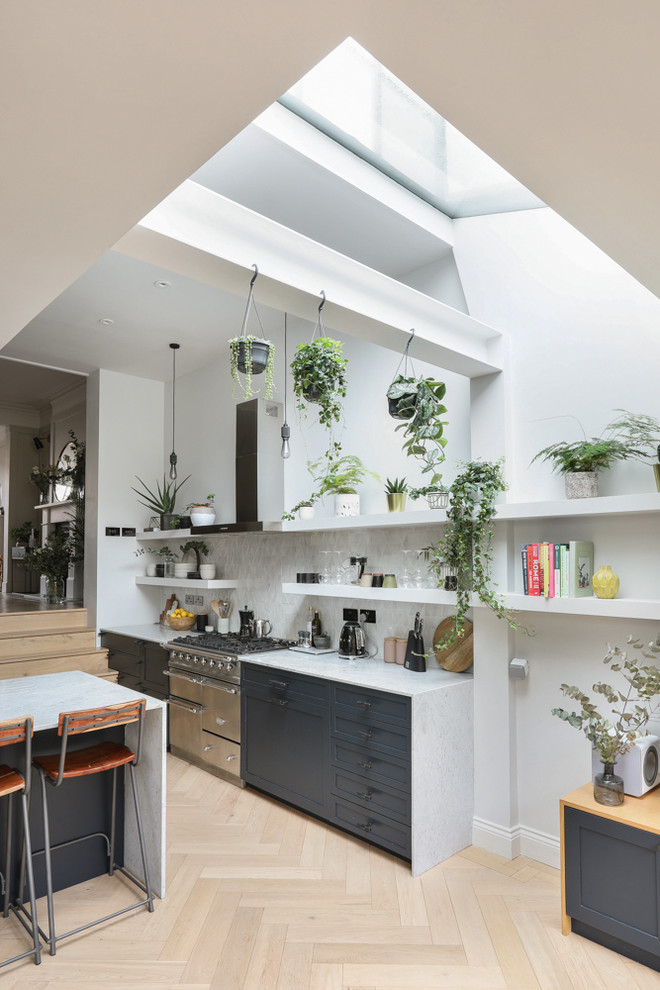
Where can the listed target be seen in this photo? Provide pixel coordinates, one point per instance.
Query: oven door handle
(194, 710)
(217, 686)
(183, 677)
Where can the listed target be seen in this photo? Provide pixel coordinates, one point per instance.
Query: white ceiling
(109, 108)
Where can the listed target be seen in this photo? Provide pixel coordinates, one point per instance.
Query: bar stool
(103, 756)
(12, 782)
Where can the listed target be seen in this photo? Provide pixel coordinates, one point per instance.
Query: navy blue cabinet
(612, 878)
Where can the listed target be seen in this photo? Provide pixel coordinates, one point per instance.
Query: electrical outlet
(350, 615)
(199, 599)
(368, 614)
(188, 599)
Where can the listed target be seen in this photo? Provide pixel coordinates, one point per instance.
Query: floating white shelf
(175, 582)
(423, 517)
(606, 505)
(613, 608)
(54, 505)
(161, 534)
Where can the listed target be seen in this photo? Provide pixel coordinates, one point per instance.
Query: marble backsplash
(261, 562)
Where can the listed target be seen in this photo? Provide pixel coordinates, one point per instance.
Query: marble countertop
(46, 695)
(368, 673)
(373, 673)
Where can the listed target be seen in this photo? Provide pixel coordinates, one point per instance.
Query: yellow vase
(605, 582)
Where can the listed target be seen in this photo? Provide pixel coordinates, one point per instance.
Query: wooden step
(49, 642)
(90, 661)
(47, 618)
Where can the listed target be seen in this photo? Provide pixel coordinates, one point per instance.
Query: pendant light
(285, 432)
(173, 457)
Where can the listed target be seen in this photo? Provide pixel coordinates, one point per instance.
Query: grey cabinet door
(613, 879)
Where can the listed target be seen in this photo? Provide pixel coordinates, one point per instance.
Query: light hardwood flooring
(263, 897)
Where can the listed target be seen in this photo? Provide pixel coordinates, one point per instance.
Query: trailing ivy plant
(240, 350)
(466, 546)
(423, 432)
(319, 375)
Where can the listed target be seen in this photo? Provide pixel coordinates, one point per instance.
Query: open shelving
(199, 583)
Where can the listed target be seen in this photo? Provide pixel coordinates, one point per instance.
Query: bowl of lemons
(181, 619)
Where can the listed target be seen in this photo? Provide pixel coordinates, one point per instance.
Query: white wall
(583, 340)
(124, 439)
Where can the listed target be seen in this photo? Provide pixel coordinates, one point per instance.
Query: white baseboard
(517, 841)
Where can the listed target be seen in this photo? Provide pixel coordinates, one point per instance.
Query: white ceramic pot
(207, 571)
(347, 505)
(581, 484)
(151, 570)
(306, 512)
(202, 515)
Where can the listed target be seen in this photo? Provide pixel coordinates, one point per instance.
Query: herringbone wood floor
(262, 897)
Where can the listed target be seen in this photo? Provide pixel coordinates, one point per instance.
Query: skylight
(353, 99)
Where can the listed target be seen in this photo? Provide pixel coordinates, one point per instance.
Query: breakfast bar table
(44, 697)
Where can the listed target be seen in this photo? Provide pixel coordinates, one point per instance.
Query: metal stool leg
(5, 907)
(143, 851)
(30, 877)
(113, 823)
(49, 871)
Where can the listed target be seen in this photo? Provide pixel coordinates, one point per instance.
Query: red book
(551, 570)
(535, 575)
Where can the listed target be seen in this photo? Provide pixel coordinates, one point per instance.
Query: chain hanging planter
(251, 355)
(401, 400)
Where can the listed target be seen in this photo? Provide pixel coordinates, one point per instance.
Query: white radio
(639, 767)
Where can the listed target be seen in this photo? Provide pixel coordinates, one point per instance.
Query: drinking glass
(326, 572)
(338, 569)
(407, 573)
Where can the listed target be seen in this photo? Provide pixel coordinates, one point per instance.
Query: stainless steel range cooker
(205, 709)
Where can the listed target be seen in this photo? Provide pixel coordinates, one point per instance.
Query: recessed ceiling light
(106, 321)
(162, 283)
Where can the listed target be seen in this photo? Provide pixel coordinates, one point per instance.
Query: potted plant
(466, 547)
(630, 437)
(422, 431)
(44, 479)
(396, 490)
(163, 565)
(339, 475)
(202, 513)
(198, 547)
(52, 560)
(319, 376)
(251, 356)
(614, 733)
(162, 501)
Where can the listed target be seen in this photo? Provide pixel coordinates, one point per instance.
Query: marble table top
(45, 696)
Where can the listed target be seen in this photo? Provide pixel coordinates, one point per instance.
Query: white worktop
(151, 632)
(367, 673)
(45, 696)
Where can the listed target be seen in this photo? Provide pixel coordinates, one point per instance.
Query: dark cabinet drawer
(123, 644)
(374, 827)
(282, 684)
(155, 664)
(371, 736)
(129, 681)
(371, 766)
(370, 796)
(373, 704)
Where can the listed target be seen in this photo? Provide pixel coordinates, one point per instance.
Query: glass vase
(608, 787)
(54, 590)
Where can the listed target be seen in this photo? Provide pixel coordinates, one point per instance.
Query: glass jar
(608, 786)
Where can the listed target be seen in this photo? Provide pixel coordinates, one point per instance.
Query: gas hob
(227, 644)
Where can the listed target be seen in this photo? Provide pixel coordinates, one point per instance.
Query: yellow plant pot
(605, 582)
(396, 501)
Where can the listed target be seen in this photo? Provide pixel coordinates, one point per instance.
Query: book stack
(558, 570)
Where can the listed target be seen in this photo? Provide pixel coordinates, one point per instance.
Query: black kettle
(352, 642)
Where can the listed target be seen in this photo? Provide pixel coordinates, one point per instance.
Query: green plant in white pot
(339, 475)
(613, 733)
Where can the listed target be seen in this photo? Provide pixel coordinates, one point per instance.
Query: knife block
(415, 659)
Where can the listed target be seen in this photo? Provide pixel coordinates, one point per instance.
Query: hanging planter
(402, 393)
(250, 355)
(319, 373)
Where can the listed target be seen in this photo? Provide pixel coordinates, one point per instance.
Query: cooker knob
(211, 663)
(188, 657)
(203, 662)
(229, 665)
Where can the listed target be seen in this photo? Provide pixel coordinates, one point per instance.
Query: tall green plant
(631, 436)
(163, 499)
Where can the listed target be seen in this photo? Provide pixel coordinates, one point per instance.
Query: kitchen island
(44, 697)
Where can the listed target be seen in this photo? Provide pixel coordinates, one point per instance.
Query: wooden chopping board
(459, 656)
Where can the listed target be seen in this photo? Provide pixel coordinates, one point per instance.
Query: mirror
(65, 463)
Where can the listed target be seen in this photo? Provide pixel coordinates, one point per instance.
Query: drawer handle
(365, 766)
(367, 827)
(280, 684)
(366, 734)
(277, 701)
(364, 704)
(232, 756)
(366, 796)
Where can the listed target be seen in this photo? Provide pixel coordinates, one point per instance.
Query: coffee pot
(352, 642)
(260, 628)
(247, 619)
(355, 568)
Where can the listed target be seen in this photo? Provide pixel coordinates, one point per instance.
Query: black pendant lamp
(173, 457)
(285, 432)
